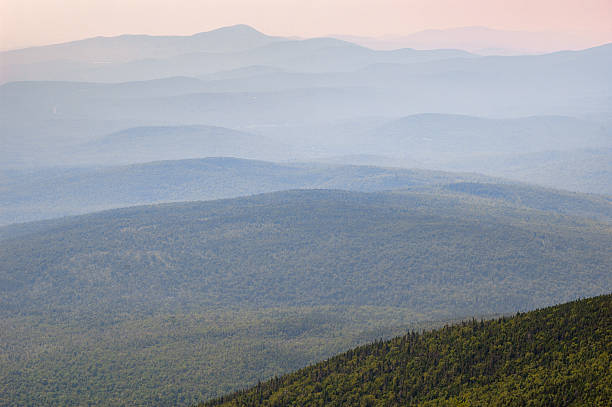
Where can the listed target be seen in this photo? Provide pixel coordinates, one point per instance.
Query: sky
(26, 23)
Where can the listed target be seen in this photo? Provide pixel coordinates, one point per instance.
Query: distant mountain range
(480, 40)
(124, 48)
(556, 151)
(137, 57)
(301, 100)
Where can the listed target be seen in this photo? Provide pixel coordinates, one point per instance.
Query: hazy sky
(34, 22)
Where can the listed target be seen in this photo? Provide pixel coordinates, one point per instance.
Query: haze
(37, 22)
(199, 196)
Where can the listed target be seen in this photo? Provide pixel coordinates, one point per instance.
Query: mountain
(124, 48)
(552, 356)
(41, 122)
(54, 116)
(179, 303)
(130, 58)
(52, 192)
(480, 40)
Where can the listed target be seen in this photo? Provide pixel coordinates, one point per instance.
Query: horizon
(380, 42)
(558, 25)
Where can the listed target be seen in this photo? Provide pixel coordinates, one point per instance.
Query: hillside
(417, 250)
(42, 194)
(179, 303)
(28, 195)
(553, 356)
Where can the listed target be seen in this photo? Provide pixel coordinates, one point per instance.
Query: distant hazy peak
(130, 47)
(478, 39)
(233, 29)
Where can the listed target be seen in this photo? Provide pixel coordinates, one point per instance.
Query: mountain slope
(179, 303)
(553, 356)
(418, 250)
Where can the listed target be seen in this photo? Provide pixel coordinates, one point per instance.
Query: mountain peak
(238, 29)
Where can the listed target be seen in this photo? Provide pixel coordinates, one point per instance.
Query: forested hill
(179, 303)
(557, 356)
(309, 248)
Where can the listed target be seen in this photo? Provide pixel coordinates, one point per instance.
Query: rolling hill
(489, 256)
(143, 144)
(183, 302)
(52, 192)
(552, 356)
(43, 194)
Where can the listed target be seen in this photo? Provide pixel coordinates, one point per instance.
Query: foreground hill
(554, 356)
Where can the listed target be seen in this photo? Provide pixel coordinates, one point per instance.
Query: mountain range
(480, 40)
(182, 217)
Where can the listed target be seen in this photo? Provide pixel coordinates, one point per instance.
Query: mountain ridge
(30, 194)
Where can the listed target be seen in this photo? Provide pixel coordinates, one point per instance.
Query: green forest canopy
(557, 356)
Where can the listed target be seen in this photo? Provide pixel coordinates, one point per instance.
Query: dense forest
(179, 303)
(557, 356)
(431, 253)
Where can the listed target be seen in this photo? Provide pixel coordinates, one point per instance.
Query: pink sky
(36, 22)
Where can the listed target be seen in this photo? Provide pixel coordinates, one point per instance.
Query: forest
(556, 356)
(178, 303)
